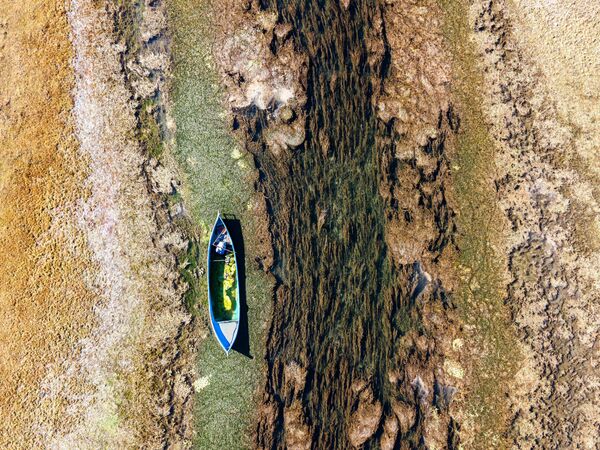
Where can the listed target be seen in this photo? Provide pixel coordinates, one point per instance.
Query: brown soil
(416, 129)
(431, 377)
(258, 79)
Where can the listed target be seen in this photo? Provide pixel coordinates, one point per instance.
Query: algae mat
(217, 177)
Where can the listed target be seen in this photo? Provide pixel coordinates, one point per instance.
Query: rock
(295, 138)
(286, 114)
(406, 415)
(365, 420)
(297, 433)
(390, 433)
(285, 136)
(282, 30)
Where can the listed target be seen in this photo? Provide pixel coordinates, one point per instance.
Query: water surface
(336, 298)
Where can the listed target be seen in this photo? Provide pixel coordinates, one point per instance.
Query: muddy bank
(431, 218)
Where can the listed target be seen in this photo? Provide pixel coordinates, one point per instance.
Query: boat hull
(223, 285)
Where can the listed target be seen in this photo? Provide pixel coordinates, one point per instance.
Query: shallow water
(336, 298)
(216, 178)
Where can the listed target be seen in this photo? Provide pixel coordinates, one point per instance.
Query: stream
(335, 300)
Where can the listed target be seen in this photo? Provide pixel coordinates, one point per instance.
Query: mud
(434, 226)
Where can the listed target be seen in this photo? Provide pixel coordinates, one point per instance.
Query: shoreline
(116, 383)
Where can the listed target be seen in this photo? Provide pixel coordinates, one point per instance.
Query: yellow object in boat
(227, 303)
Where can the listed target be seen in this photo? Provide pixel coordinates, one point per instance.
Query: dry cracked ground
(481, 126)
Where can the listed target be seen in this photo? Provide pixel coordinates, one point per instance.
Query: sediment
(431, 205)
(420, 337)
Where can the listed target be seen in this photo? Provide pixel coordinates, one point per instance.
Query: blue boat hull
(225, 324)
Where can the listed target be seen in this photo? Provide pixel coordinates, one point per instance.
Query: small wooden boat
(223, 285)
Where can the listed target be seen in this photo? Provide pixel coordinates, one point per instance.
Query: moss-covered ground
(481, 265)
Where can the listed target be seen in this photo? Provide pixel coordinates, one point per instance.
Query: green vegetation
(216, 177)
(481, 295)
(149, 129)
(126, 25)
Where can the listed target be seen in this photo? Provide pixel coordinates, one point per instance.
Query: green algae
(127, 16)
(481, 294)
(217, 176)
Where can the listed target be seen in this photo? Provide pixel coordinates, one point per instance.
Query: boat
(223, 285)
